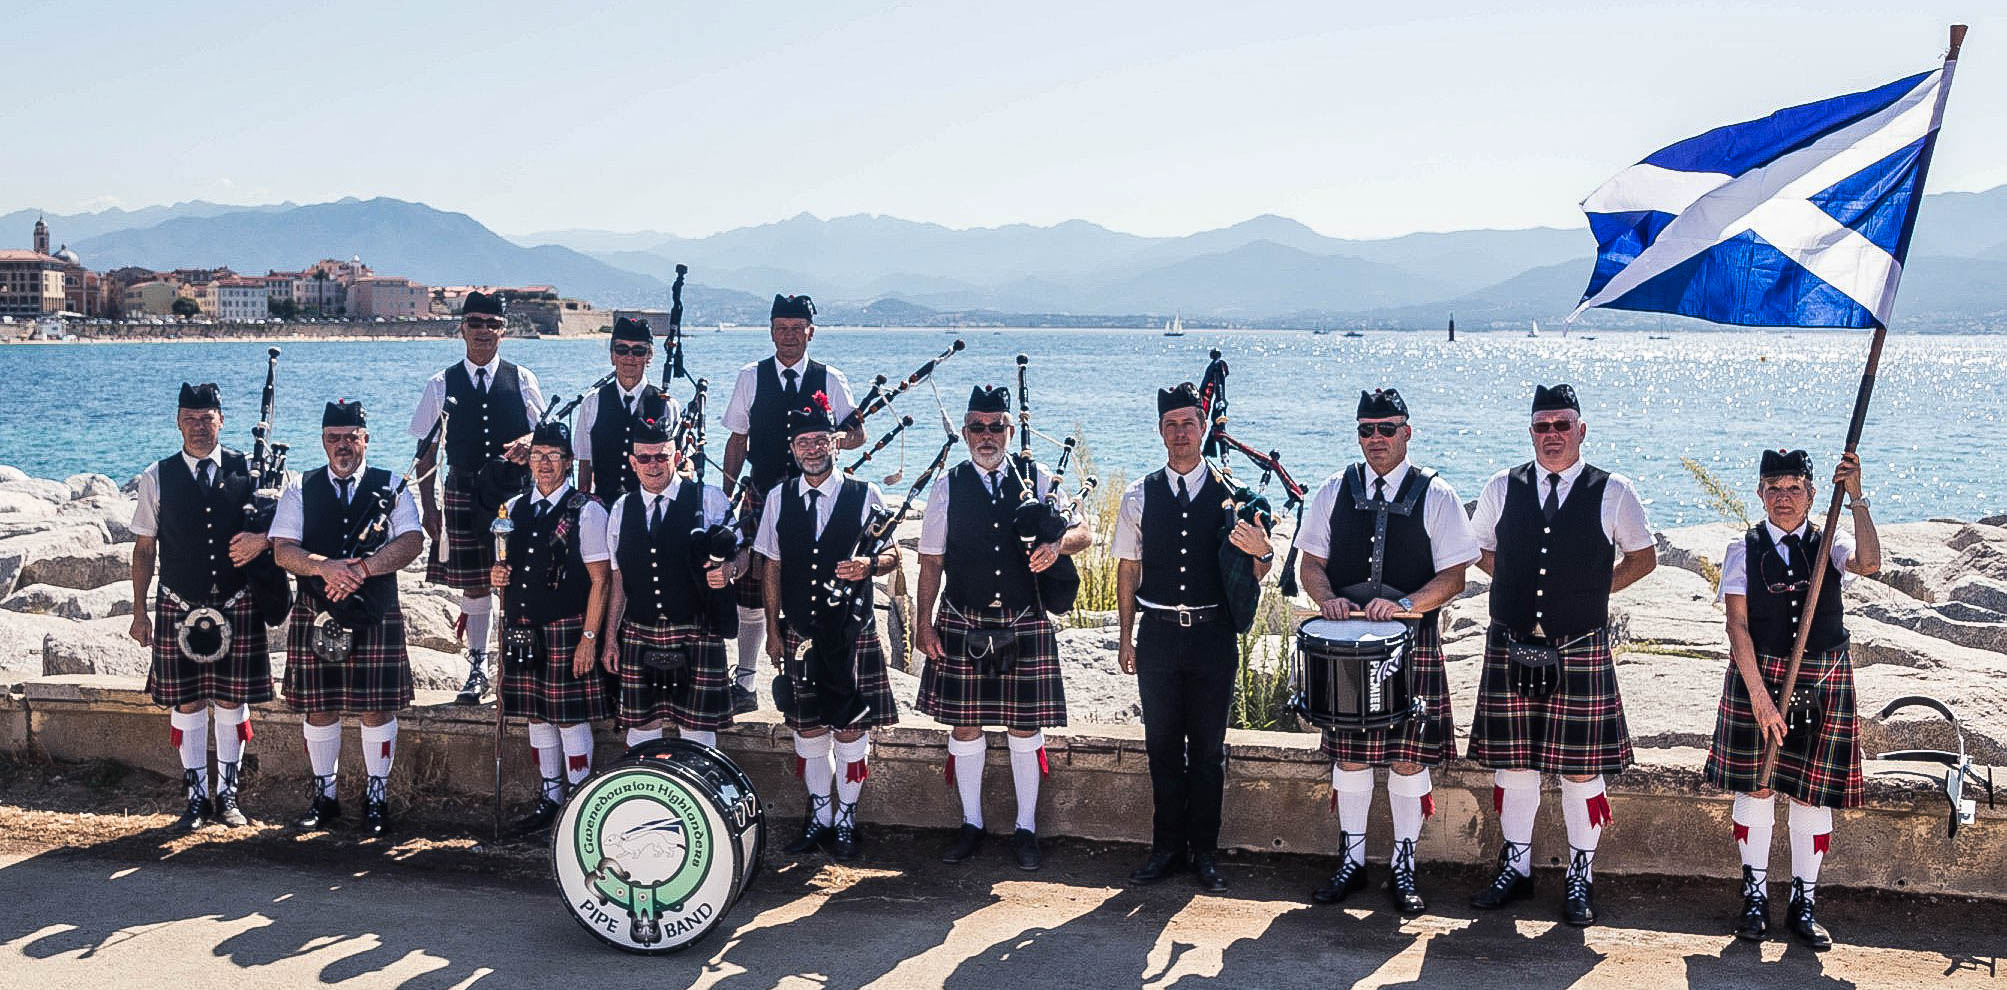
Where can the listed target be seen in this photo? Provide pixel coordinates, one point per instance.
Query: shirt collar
(1568, 474)
(1777, 535)
(668, 494)
(556, 498)
(829, 488)
(493, 364)
(1193, 481)
(1394, 478)
(635, 393)
(356, 475)
(800, 369)
(214, 457)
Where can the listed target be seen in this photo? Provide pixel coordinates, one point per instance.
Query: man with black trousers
(1169, 536)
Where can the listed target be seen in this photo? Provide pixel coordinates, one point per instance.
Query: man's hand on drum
(1335, 609)
(1382, 610)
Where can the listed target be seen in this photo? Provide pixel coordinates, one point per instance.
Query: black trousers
(1185, 675)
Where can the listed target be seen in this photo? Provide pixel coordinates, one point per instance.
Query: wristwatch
(590, 634)
(1406, 604)
(1268, 557)
(1854, 503)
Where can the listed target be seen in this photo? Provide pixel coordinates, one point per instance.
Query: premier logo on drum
(641, 849)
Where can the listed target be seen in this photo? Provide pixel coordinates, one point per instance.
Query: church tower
(41, 236)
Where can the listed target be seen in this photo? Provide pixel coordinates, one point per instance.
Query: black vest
(1774, 615)
(531, 594)
(766, 446)
(482, 422)
(1409, 562)
(986, 562)
(194, 526)
(807, 563)
(613, 439)
(658, 571)
(1555, 575)
(1181, 545)
(326, 522)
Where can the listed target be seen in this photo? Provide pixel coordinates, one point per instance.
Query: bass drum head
(1353, 630)
(744, 813)
(642, 854)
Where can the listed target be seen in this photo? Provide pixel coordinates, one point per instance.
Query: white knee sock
(188, 732)
(853, 759)
(577, 741)
(965, 761)
(811, 757)
(1406, 794)
(1027, 765)
(1586, 808)
(379, 748)
(545, 742)
(705, 736)
(752, 645)
(1755, 819)
(1811, 838)
(324, 753)
(479, 613)
(1355, 804)
(1516, 796)
(636, 737)
(233, 730)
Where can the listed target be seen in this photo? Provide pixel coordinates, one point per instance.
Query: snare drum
(1354, 675)
(651, 852)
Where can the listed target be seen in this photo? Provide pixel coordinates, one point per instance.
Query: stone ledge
(1667, 821)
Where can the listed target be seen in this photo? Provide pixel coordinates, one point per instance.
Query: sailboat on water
(1534, 331)
(1175, 327)
(1452, 328)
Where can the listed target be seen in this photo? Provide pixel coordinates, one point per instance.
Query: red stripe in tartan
(244, 730)
(1824, 767)
(702, 700)
(873, 684)
(1742, 833)
(1599, 810)
(470, 550)
(549, 691)
(1428, 805)
(1426, 740)
(242, 675)
(1031, 696)
(1579, 729)
(856, 771)
(1822, 843)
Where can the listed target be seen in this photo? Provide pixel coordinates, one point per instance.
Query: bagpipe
(1245, 503)
(271, 588)
(879, 397)
(1042, 519)
(368, 604)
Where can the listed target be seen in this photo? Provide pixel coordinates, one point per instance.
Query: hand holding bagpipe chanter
(1247, 503)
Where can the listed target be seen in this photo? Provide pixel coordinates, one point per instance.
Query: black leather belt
(1182, 615)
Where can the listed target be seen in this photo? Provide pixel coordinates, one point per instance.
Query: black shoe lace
(192, 780)
(319, 789)
(378, 791)
(813, 825)
(226, 785)
(1803, 894)
(477, 676)
(846, 821)
(1755, 887)
(1404, 861)
(1507, 873)
(1578, 875)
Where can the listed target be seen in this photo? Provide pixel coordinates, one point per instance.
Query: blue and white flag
(1801, 219)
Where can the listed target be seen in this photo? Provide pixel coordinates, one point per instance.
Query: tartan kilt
(873, 684)
(1427, 740)
(1825, 768)
(751, 586)
(1031, 696)
(702, 700)
(470, 548)
(547, 691)
(1579, 729)
(375, 678)
(242, 675)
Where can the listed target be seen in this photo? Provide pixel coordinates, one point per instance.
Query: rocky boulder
(1980, 591)
(113, 511)
(18, 553)
(53, 492)
(1953, 622)
(110, 601)
(87, 485)
(1670, 610)
(91, 567)
(94, 648)
(8, 472)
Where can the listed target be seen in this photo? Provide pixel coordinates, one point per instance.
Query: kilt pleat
(547, 691)
(470, 548)
(1031, 696)
(1579, 729)
(701, 699)
(376, 677)
(1821, 767)
(242, 675)
(1427, 740)
(873, 683)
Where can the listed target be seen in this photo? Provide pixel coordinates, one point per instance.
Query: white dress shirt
(715, 507)
(1128, 542)
(434, 395)
(588, 414)
(767, 542)
(146, 515)
(739, 409)
(1623, 513)
(1451, 542)
(289, 519)
(591, 539)
(934, 521)
(1735, 562)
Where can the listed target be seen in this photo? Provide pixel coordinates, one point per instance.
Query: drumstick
(1302, 613)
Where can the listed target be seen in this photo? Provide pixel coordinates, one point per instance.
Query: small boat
(1353, 333)
(1319, 333)
(1175, 327)
(1658, 336)
(1452, 328)
(1534, 331)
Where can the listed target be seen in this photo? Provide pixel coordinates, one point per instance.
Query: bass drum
(651, 852)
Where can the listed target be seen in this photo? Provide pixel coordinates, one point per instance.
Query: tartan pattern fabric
(547, 691)
(752, 584)
(470, 547)
(1579, 729)
(701, 700)
(1031, 696)
(873, 683)
(244, 674)
(1824, 767)
(1427, 740)
(376, 677)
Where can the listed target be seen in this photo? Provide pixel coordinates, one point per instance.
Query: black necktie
(1797, 548)
(655, 523)
(994, 482)
(791, 391)
(1553, 503)
(814, 517)
(481, 380)
(341, 488)
(1379, 489)
(630, 404)
(202, 474)
(1184, 496)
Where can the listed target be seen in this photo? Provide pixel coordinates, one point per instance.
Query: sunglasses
(993, 429)
(811, 441)
(1553, 426)
(548, 456)
(1383, 429)
(638, 350)
(480, 324)
(658, 458)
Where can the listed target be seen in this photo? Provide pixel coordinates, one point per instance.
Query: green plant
(1261, 696)
(1721, 498)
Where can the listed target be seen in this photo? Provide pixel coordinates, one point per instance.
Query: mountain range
(1265, 271)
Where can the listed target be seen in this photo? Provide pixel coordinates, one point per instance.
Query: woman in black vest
(766, 394)
(809, 536)
(608, 418)
(1764, 578)
(313, 537)
(967, 536)
(1559, 536)
(1381, 538)
(494, 403)
(667, 624)
(1168, 537)
(191, 514)
(553, 600)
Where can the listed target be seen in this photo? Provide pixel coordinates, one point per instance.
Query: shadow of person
(1110, 945)
(1467, 954)
(1740, 964)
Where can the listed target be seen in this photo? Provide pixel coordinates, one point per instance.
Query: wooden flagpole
(1867, 390)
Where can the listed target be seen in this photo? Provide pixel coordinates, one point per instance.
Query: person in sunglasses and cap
(1559, 536)
(603, 434)
(1381, 538)
(1765, 577)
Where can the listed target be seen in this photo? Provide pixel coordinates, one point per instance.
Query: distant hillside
(17, 228)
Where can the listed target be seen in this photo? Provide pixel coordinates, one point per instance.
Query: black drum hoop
(1299, 697)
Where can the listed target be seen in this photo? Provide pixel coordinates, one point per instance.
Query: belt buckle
(1184, 617)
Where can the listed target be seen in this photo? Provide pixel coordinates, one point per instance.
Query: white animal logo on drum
(647, 853)
(1351, 675)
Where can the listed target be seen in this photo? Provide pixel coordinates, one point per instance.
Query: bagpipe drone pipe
(1044, 519)
(1248, 503)
(368, 604)
(271, 587)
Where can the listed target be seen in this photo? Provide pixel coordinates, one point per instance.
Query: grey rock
(1670, 609)
(114, 511)
(1980, 590)
(100, 603)
(1972, 533)
(1985, 558)
(80, 648)
(91, 567)
(429, 615)
(19, 552)
(19, 506)
(86, 485)
(54, 492)
(1877, 642)
(1959, 626)
(21, 635)
(1994, 521)
(1978, 697)
(1697, 549)
(8, 472)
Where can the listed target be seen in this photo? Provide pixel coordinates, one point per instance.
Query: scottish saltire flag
(1801, 219)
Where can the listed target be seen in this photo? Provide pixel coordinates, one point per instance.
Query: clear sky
(1360, 119)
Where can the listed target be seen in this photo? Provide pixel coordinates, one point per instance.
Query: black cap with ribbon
(1382, 403)
(343, 413)
(1778, 463)
(203, 396)
(1551, 399)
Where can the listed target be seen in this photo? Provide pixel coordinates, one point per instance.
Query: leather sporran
(993, 652)
(330, 640)
(522, 645)
(203, 635)
(1802, 718)
(1536, 667)
(665, 667)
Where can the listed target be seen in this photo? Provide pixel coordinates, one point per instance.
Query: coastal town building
(155, 298)
(387, 297)
(318, 293)
(31, 283)
(238, 299)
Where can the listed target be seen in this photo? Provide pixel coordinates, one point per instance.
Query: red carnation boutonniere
(821, 400)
